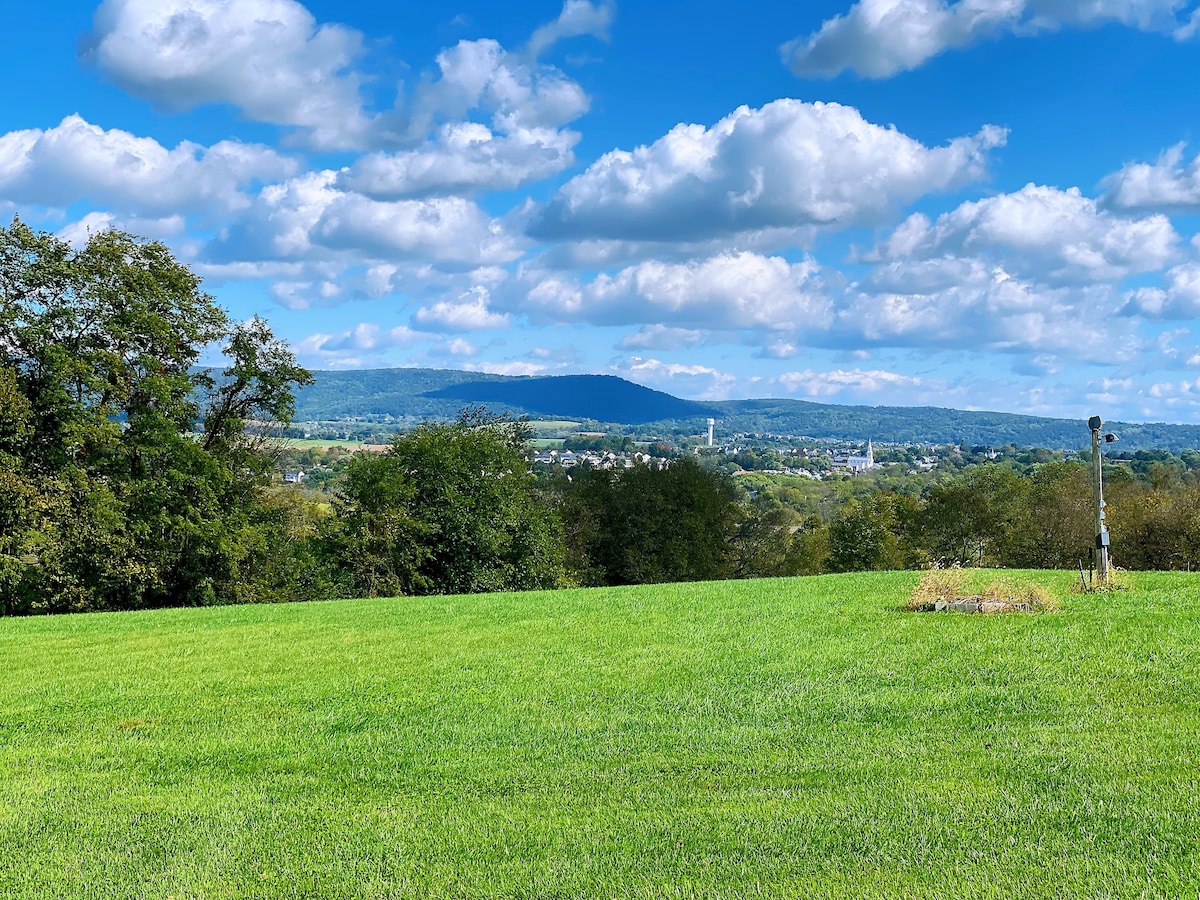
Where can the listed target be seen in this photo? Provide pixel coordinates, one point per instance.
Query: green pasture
(539, 425)
(325, 444)
(789, 738)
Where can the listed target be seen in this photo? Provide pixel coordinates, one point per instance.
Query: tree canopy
(450, 508)
(116, 497)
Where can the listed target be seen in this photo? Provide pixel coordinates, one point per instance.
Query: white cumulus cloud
(469, 312)
(1178, 298)
(447, 230)
(681, 379)
(878, 38)
(828, 384)
(1168, 184)
(578, 17)
(1038, 232)
(463, 157)
(77, 233)
(661, 337)
(77, 161)
(268, 58)
(355, 346)
(481, 75)
(787, 165)
(730, 291)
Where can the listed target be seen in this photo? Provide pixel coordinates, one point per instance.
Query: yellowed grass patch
(942, 589)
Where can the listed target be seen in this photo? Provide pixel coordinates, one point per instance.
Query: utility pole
(1102, 561)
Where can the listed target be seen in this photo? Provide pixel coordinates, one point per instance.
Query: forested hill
(441, 393)
(416, 394)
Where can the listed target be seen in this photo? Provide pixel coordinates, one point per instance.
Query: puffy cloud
(1038, 232)
(482, 75)
(77, 161)
(661, 337)
(269, 58)
(308, 219)
(578, 17)
(527, 104)
(700, 382)
(787, 165)
(732, 290)
(470, 312)
(278, 225)
(511, 367)
(353, 347)
(274, 62)
(988, 310)
(1173, 394)
(878, 38)
(464, 156)
(1168, 184)
(829, 384)
(448, 230)
(1178, 298)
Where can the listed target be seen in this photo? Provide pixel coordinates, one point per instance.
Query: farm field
(325, 444)
(782, 738)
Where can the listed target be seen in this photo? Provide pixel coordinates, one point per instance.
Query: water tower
(712, 423)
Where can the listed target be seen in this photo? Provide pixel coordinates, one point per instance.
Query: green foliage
(617, 443)
(112, 502)
(1058, 525)
(1156, 529)
(808, 552)
(450, 508)
(763, 540)
(871, 535)
(645, 525)
(975, 518)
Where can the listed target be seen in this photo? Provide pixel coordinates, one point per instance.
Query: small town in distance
(625, 447)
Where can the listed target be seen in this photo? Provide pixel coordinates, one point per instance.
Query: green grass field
(325, 444)
(791, 738)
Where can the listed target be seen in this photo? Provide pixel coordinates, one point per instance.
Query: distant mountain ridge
(415, 394)
(602, 398)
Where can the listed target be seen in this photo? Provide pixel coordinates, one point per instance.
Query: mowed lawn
(786, 738)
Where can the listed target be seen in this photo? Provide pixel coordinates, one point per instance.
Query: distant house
(294, 477)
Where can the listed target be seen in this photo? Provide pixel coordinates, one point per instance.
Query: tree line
(132, 477)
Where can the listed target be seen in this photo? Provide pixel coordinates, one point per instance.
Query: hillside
(415, 394)
(795, 738)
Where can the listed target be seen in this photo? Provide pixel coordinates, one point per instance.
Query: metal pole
(1098, 496)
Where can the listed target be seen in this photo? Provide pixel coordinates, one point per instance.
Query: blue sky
(984, 204)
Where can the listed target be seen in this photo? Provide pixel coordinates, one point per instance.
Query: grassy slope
(678, 741)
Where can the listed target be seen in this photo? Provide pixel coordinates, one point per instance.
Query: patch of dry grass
(953, 585)
(939, 585)
(1010, 594)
